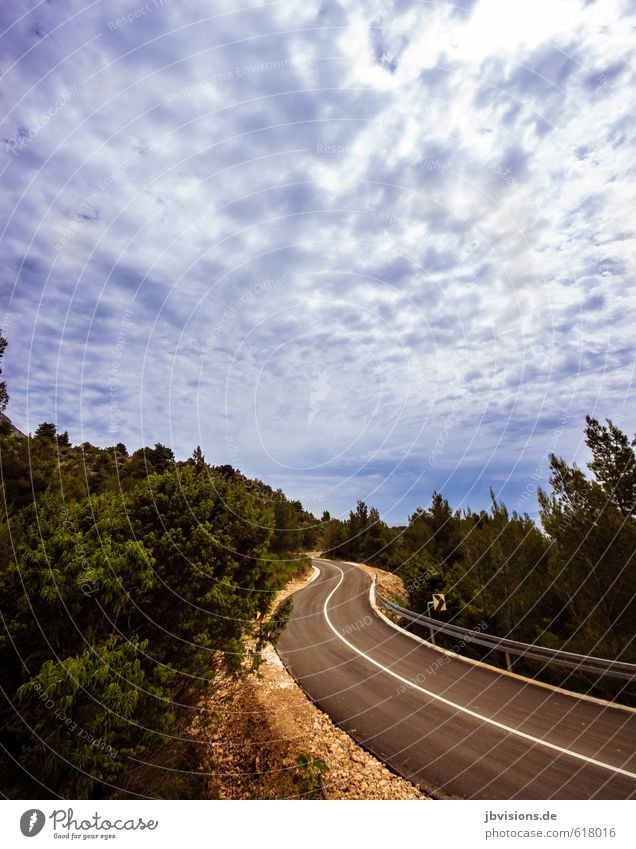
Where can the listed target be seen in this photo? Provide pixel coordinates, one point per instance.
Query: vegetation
(272, 629)
(570, 583)
(128, 582)
(312, 769)
(592, 529)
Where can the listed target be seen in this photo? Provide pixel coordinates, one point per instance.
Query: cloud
(309, 237)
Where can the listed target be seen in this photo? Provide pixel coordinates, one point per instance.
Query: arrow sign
(439, 602)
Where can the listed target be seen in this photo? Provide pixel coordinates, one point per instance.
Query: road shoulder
(252, 732)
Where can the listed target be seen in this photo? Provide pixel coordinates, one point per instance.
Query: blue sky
(358, 249)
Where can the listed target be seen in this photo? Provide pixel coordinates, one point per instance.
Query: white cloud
(443, 199)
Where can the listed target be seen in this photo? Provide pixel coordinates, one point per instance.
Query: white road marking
(570, 694)
(461, 708)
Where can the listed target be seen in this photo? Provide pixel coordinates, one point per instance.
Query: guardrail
(597, 666)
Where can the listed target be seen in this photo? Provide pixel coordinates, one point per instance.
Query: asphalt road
(458, 729)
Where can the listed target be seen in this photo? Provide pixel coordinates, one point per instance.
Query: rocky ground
(388, 584)
(256, 729)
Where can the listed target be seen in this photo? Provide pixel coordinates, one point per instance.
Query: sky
(365, 249)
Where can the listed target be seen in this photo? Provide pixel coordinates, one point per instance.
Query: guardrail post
(512, 648)
(429, 604)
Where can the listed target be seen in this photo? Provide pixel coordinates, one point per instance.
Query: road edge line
(472, 662)
(485, 719)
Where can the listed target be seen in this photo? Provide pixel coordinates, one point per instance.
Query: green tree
(208, 537)
(118, 608)
(422, 576)
(357, 526)
(437, 530)
(593, 534)
(503, 573)
(198, 459)
(46, 431)
(286, 525)
(444, 544)
(334, 536)
(126, 584)
(613, 463)
(147, 461)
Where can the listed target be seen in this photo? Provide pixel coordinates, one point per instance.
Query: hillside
(130, 583)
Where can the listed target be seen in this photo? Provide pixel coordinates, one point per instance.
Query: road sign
(439, 602)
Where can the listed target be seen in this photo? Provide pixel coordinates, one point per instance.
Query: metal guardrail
(597, 666)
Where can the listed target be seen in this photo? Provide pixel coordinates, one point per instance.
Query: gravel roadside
(253, 731)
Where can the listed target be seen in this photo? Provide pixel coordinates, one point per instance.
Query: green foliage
(573, 586)
(294, 529)
(126, 583)
(312, 769)
(431, 538)
(82, 710)
(362, 537)
(613, 463)
(272, 629)
(47, 431)
(198, 459)
(593, 534)
(422, 576)
(502, 572)
(147, 461)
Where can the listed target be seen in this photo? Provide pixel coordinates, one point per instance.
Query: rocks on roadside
(252, 731)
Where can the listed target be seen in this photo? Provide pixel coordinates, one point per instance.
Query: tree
(613, 463)
(503, 573)
(160, 457)
(117, 609)
(208, 538)
(334, 537)
(357, 524)
(226, 471)
(147, 461)
(374, 539)
(444, 523)
(46, 431)
(422, 576)
(593, 534)
(437, 530)
(198, 459)
(285, 536)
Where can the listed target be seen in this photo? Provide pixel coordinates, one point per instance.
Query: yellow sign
(439, 602)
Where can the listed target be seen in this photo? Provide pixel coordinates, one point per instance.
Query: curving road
(458, 729)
